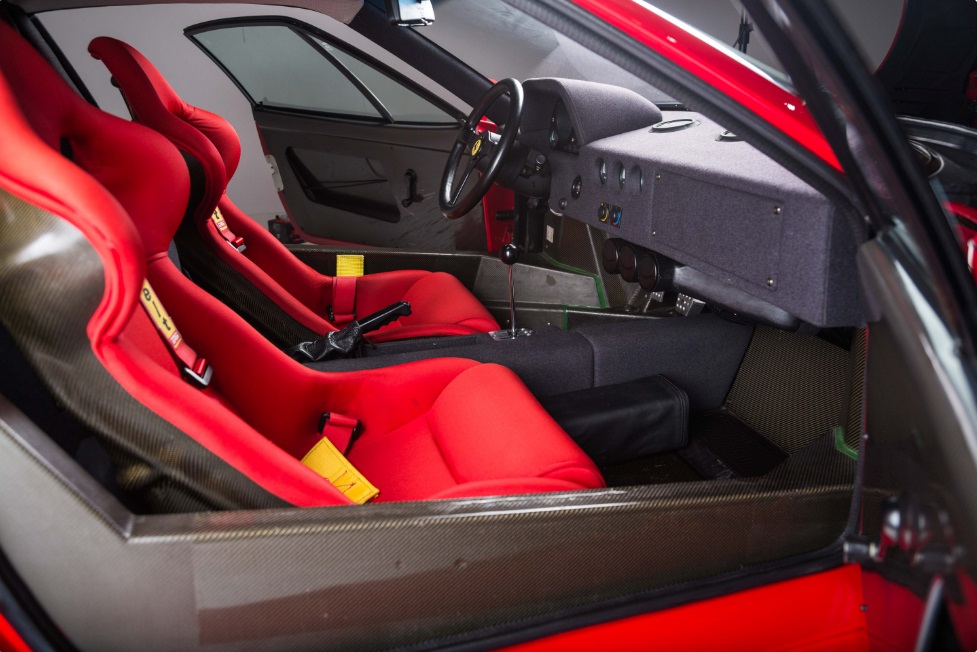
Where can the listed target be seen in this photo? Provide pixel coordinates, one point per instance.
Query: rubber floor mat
(742, 449)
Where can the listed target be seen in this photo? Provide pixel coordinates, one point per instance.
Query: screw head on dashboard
(769, 282)
(777, 210)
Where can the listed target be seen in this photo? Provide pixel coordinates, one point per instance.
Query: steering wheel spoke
(486, 150)
(472, 163)
(466, 136)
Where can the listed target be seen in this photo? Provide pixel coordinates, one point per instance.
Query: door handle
(410, 178)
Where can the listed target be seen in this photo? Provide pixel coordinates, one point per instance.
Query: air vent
(677, 124)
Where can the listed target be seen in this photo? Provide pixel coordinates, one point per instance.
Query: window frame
(309, 34)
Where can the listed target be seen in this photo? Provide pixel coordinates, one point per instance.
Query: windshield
(501, 41)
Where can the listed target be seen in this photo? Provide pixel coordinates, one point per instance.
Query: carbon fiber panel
(51, 281)
(856, 395)
(220, 280)
(389, 575)
(579, 245)
(790, 388)
(322, 258)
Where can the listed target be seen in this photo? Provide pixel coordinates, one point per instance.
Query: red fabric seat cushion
(467, 438)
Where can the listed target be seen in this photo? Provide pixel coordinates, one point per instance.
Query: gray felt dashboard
(717, 205)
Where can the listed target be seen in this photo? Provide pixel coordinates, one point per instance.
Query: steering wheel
(486, 151)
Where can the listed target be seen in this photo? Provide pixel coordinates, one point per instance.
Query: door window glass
(277, 67)
(404, 104)
(283, 66)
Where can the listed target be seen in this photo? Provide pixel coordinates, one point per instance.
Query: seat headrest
(39, 175)
(150, 96)
(140, 168)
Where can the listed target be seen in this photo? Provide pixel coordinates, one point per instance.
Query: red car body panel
(733, 77)
(817, 612)
(10, 640)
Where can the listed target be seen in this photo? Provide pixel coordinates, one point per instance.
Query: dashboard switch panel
(576, 187)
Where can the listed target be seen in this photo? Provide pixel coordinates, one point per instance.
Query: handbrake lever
(338, 344)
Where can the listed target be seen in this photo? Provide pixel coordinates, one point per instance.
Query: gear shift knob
(509, 254)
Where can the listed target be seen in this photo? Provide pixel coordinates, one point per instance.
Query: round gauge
(647, 271)
(610, 255)
(621, 174)
(638, 180)
(627, 263)
(602, 170)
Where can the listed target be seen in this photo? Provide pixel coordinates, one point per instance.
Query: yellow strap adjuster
(326, 460)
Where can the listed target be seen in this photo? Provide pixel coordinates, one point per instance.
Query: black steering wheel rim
(452, 203)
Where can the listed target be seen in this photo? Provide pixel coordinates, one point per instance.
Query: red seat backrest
(299, 291)
(210, 139)
(148, 180)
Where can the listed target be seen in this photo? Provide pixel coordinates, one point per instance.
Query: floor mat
(742, 449)
(720, 446)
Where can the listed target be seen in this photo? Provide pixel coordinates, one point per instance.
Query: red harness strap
(339, 429)
(341, 312)
(225, 232)
(195, 369)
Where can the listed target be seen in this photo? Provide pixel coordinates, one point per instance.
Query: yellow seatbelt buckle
(349, 265)
(326, 460)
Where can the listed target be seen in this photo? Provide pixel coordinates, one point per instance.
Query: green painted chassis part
(841, 446)
(569, 268)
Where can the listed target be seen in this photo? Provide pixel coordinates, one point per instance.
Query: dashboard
(691, 207)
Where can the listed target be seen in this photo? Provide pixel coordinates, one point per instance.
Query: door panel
(340, 182)
(347, 181)
(360, 148)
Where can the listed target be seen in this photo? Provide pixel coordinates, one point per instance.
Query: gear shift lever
(509, 254)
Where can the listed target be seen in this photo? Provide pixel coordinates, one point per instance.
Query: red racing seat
(300, 297)
(77, 241)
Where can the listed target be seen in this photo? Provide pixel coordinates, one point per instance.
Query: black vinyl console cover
(617, 423)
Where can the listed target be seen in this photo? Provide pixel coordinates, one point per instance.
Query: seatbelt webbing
(327, 460)
(224, 231)
(342, 311)
(195, 369)
(339, 428)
